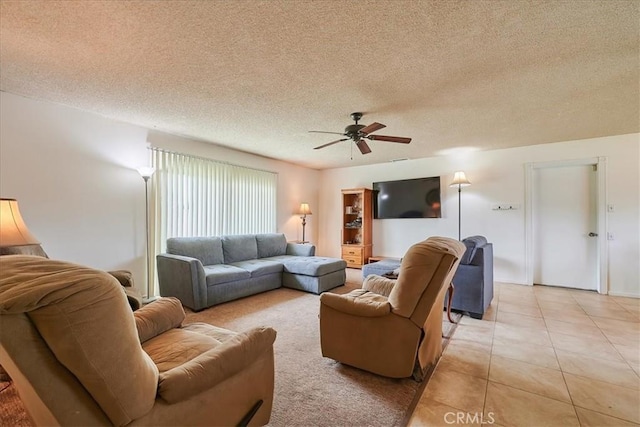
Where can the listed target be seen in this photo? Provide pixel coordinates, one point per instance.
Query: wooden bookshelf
(357, 219)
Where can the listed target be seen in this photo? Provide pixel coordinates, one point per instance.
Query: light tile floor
(541, 356)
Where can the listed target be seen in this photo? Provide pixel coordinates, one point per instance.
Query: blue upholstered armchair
(473, 281)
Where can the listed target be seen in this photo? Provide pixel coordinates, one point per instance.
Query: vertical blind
(194, 196)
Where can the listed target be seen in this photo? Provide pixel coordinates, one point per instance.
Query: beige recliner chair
(390, 327)
(79, 356)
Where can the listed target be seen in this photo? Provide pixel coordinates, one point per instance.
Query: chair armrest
(134, 298)
(378, 284)
(157, 317)
(365, 304)
(216, 365)
(299, 249)
(184, 278)
(123, 276)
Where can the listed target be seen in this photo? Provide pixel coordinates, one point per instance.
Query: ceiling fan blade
(363, 147)
(372, 128)
(330, 143)
(389, 138)
(321, 131)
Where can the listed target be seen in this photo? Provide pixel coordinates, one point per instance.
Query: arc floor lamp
(459, 180)
(146, 172)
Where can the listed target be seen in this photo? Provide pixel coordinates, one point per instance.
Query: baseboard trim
(508, 282)
(623, 294)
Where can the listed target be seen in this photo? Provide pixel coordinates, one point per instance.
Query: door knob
(593, 234)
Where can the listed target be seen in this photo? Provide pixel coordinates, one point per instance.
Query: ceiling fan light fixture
(356, 132)
(356, 116)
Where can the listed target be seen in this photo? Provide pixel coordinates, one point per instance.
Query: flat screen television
(408, 198)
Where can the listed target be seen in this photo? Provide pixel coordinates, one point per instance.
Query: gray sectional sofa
(205, 271)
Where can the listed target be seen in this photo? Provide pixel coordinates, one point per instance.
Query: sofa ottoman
(379, 268)
(313, 274)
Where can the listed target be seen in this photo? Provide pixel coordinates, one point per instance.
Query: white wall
(497, 176)
(74, 176)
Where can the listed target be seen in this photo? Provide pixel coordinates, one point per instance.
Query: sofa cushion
(472, 243)
(177, 346)
(216, 365)
(259, 267)
(239, 248)
(313, 265)
(378, 285)
(223, 273)
(358, 303)
(154, 319)
(300, 249)
(271, 245)
(214, 332)
(207, 249)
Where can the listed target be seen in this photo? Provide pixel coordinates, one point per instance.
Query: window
(194, 196)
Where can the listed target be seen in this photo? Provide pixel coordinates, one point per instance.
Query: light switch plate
(505, 207)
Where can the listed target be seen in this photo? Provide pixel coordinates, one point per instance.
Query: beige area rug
(12, 412)
(310, 390)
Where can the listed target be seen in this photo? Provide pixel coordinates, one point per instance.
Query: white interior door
(565, 227)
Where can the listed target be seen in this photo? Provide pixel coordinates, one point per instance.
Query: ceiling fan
(358, 133)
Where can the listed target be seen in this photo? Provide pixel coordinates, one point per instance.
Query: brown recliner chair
(393, 328)
(124, 276)
(78, 355)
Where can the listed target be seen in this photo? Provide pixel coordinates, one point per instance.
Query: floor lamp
(303, 212)
(146, 172)
(459, 180)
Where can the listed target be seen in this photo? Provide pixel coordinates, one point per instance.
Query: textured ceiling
(257, 75)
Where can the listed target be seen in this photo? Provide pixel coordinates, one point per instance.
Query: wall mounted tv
(408, 198)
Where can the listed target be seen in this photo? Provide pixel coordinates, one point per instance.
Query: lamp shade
(459, 179)
(13, 230)
(146, 171)
(304, 209)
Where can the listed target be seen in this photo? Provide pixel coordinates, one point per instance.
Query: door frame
(602, 270)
